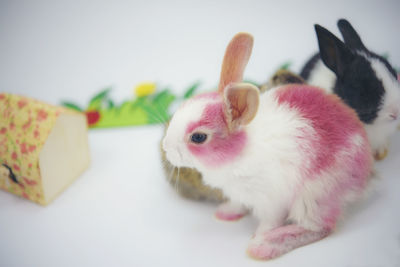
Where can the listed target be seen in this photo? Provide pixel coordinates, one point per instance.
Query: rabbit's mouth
(175, 157)
(394, 114)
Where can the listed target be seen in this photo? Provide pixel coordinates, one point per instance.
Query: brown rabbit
(281, 77)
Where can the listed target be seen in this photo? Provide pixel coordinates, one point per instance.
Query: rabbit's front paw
(381, 153)
(229, 211)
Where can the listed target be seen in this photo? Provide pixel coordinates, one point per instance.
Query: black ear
(334, 53)
(350, 36)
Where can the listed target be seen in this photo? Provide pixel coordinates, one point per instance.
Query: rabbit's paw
(229, 211)
(381, 153)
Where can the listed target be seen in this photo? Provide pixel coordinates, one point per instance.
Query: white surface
(122, 212)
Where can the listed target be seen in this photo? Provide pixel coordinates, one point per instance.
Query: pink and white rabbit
(293, 156)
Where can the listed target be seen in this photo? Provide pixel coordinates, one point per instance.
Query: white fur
(305, 210)
(259, 179)
(268, 177)
(193, 110)
(383, 127)
(322, 77)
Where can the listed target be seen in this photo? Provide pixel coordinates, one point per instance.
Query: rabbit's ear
(350, 36)
(241, 104)
(237, 55)
(334, 53)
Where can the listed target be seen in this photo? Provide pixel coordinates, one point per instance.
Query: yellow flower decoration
(144, 89)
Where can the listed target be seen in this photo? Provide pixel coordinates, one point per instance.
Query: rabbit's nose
(165, 144)
(394, 115)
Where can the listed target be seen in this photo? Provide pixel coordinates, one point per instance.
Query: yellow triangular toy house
(43, 148)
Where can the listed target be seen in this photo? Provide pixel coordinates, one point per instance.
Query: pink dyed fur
(223, 147)
(228, 217)
(284, 239)
(333, 122)
(212, 117)
(335, 126)
(321, 157)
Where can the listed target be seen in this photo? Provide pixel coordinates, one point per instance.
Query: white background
(122, 212)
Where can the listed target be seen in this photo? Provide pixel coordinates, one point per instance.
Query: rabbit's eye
(198, 138)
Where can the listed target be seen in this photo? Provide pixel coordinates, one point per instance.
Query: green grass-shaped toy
(148, 107)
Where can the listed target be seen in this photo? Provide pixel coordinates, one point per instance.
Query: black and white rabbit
(363, 79)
